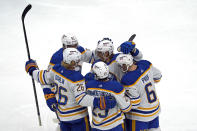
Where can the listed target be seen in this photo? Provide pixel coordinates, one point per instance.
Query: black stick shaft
(28, 53)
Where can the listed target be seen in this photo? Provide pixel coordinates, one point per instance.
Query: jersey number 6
(151, 95)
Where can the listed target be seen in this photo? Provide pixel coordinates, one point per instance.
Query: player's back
(65, 82)
(140, 85)
(110, 118)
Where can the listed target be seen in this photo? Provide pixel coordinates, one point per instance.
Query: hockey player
(70, 41)
(105, 53)
(139, 82)
(71, 91)
(109, 119)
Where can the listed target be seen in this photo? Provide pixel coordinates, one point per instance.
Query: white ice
(166, 34)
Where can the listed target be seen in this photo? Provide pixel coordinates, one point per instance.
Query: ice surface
(166, 34)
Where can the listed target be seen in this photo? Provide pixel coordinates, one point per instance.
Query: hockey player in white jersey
(139, 82)
(110, 119)
(105, 52)
(70, 41)
(71, 91)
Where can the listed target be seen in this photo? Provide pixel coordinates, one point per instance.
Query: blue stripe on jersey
(80, 94)
(81, 99)
(72, 111)
(157, 78)
(44, 77)
(144, 112)
(110, 120)
(38, 77)
(135, 98)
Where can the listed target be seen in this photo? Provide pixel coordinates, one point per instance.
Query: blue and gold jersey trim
(139, 77)
(145, 112)
(109, 120)
(41, 77)
(67, 78)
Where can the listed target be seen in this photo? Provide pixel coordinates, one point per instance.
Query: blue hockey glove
(30, 66)
(127, 47)
(104, 102)
(50, 99)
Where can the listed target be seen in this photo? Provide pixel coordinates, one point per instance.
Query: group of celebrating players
(120, 88)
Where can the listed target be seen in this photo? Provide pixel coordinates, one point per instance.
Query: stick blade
(25, 11)
(132, 37)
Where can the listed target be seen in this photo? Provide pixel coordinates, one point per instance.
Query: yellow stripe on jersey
(149, 109)
(136, 101)
(96, 122)
(123, 127)
(128, 109)
(71, 108)
(138, 78)
(147, 115)
(41, 77)
(117, 119)
(112, 62)
(51, 64)
(83, 52)
(106, 90)
(133, 125)
(156, 81)
(67, 78)
(87, 123)
(68, 115)
(78, 98)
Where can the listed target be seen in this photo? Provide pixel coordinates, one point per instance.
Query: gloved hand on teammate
(50, 99)
(105, 102)
(127, 47)
(30, 66)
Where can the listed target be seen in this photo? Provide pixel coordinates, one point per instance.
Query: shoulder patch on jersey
(132, 77)
(57, 57)
(70, 75)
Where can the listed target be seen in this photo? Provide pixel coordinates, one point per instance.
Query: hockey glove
(30, 66)
(103, 103)
(50, 99)
(127, 47)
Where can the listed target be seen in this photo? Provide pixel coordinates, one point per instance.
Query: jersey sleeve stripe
(71, 108)
(73, 114)
(71, 111)
(107, 119)
(80, 99)
(127, 108)
(83, 52)
(144, 114)
(139, 77)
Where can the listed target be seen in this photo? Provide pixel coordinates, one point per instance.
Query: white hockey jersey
(140, 87)
(108, 119)
(71, 91)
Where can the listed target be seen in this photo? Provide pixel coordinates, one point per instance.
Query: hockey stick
(28, 53)
(130, 39)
